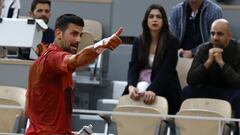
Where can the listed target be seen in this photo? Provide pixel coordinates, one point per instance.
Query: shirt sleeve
(58, 62)
(165, 69)
(197, 72)
(231, 76)
(174, 20)
(134, 66)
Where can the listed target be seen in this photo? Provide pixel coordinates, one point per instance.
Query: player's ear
(58, 34)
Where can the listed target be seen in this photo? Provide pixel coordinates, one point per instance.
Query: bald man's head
(220, 33)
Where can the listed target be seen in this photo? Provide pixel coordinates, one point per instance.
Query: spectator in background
(190, 22)
(40, 9)
(153, 61)
(10, 8)
(215, 71)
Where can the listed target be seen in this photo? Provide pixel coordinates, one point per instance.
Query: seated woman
(153, 61)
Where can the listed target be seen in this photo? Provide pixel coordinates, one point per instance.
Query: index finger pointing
(119, 31)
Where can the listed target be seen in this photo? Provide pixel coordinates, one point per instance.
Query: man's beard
(45, 19)
(219, 46)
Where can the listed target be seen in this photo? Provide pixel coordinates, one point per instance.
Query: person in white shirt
(10, 8)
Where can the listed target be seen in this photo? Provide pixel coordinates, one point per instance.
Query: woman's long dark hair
(145, 37)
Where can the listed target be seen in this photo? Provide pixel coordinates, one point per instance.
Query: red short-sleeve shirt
(50, 94)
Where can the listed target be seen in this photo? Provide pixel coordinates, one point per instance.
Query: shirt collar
(55, 47)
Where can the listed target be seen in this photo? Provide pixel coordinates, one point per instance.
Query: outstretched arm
(90, 53)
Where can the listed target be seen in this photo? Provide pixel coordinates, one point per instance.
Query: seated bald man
(215, 71)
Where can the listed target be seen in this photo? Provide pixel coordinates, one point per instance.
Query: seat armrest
(107, 118)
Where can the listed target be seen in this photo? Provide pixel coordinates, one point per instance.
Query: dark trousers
(230, 95)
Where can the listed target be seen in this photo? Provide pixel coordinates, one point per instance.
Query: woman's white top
(151, 58)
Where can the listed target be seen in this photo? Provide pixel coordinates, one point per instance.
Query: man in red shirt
(50, 85)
